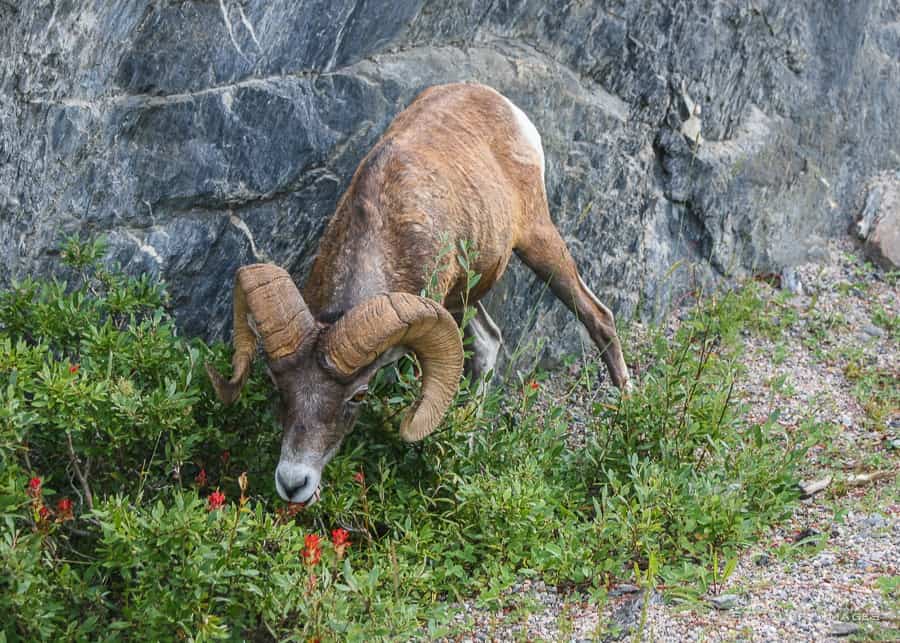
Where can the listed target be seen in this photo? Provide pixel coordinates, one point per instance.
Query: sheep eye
(359, 396)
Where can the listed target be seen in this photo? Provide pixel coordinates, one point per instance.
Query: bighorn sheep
(460, 163)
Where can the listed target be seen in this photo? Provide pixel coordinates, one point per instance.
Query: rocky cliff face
(685, 140)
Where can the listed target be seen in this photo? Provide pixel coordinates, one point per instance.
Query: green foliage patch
(108, 406)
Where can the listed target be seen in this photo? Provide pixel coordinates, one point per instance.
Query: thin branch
(719, 423)
(811, 487)
(865, 478)
(85, 487)
(28, 458)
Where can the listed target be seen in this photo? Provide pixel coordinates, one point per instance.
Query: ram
(461, 163)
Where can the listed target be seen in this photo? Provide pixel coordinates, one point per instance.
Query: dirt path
(822, 574)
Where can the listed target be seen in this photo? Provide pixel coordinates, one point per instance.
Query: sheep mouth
(309, 502)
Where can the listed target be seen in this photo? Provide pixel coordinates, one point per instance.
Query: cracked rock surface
(199, 136)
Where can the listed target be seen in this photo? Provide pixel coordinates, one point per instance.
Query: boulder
(686, 141)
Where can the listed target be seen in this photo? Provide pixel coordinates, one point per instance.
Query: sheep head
(322, 370)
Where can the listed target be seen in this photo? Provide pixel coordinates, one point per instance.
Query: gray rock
(624, 588)
(724, 601)
(763, 560)
(873, 331)
(626, 617)
(818, 254)
(809, 537)
(824, 559)
(875, 521)
(790, 281)
(201, 136)
(844, 629)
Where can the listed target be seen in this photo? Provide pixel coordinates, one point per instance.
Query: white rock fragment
(879, 221)
(691, 125)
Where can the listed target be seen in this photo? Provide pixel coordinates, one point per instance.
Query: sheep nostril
(296, 481)
(291, 487)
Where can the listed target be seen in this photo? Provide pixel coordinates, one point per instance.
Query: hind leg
(485, 346)
(544, 251)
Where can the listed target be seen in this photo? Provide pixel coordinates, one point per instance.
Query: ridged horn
(268, 294)
(399, 319)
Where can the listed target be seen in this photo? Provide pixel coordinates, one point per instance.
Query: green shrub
(101, 396)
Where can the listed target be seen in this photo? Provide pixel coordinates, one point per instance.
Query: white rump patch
(529, 132)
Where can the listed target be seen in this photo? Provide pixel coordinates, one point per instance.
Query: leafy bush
(161, 538)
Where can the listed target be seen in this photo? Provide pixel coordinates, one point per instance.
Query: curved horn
(399, 319)
(268, 294)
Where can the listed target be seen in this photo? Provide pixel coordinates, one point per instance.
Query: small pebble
(763, 560)
(808, 536)
(824, 560)
(724, 602)
(844, 629)
(875, 521)
(790, 281)
(873, 331)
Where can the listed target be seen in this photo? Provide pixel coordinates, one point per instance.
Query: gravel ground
(782, 589)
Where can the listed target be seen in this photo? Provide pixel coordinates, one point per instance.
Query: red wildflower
(534, 385)
(226, 456)
(312, 551)
(73, 368)
(216, 500)
(340, 538)
(64, 509)
(360, 477)
(34, 487)
(43, 513)
(200, 479)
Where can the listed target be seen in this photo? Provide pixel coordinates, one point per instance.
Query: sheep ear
(399, 319)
